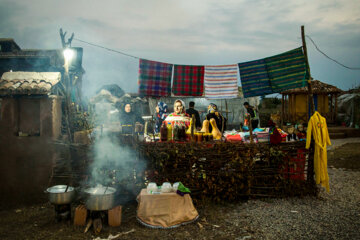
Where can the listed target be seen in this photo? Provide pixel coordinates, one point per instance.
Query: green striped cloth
(286, 70)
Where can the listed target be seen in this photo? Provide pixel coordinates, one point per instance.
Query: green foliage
(81, 120)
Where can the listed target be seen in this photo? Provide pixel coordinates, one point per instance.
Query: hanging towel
(286, 70)
(221, 81)
(154, 78)
(254, 78)
(188, 80)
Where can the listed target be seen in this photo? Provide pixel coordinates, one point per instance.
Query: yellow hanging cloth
(317, 126)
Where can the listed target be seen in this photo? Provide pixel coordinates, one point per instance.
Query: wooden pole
(192, 130)
(282, 111)
(336, 106)
(291, 106)
(250, 129)
(286, 107)
(293, 109)
(331, 108)
(226, 109)
(310, 93)
(68, 86)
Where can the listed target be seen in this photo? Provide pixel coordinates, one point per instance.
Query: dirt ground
(346, 157)
(254, 219)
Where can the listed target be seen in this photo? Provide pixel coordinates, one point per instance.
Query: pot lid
(100, 190)
(59, 189)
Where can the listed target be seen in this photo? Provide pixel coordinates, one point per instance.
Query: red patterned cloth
(233, 138)
(295, 168)
(154, 78)
(188, 80)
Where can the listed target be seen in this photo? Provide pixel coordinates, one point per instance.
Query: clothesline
(129, 55)
(260, 77)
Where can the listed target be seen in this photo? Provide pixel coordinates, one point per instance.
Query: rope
(317, 48)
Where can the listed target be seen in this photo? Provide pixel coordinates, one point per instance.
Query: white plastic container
(152, 188)
(166, 187)
(175, 186)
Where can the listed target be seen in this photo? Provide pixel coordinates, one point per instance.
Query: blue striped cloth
(254, 78)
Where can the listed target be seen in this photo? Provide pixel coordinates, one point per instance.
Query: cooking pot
(61, 194)
(100, 198)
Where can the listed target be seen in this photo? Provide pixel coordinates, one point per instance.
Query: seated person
(128, 119)
(219, 119)
(161, 111)
(179, 114)
(301, 133)
(291, 134)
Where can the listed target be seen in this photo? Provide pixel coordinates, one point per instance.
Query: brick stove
(62, 212)
(96, 219)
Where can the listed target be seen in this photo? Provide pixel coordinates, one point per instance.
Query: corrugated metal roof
(14, 83)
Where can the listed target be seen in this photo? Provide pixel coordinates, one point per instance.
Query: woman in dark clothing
(128, 119)
(161, 114)
(219, 119)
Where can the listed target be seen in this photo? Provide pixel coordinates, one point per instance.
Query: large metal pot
(100, 198)
(61, 194)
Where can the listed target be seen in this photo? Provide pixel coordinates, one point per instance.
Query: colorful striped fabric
(154, 78)
(254, 78)
(221, 81)
(188, 80)
(286, 70)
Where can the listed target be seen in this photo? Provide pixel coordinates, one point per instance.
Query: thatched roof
(317, 88)
(13, 83)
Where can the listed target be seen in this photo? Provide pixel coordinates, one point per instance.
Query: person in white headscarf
(179, 113)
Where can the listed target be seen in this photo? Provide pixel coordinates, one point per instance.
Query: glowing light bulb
(68, 54)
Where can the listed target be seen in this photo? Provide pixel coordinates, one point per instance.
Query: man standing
(252, 112)
(191, 111)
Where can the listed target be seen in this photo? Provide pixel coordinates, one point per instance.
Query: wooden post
(282, 111)
(295, 113)
(310, 93)
(250, 129)
(68, 86)
(331, 108)
(291, 107)
(307, 112)
(192, 130)
(18, 107)
(226, 109)
(336, 107)
(310, 168)
(286, 107)
(294, 110)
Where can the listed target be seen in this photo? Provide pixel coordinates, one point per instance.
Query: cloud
(187, 32)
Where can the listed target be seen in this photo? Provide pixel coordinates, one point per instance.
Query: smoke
(112, 162)
(115, 162)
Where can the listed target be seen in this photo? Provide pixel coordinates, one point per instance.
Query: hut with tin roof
(296, 106)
